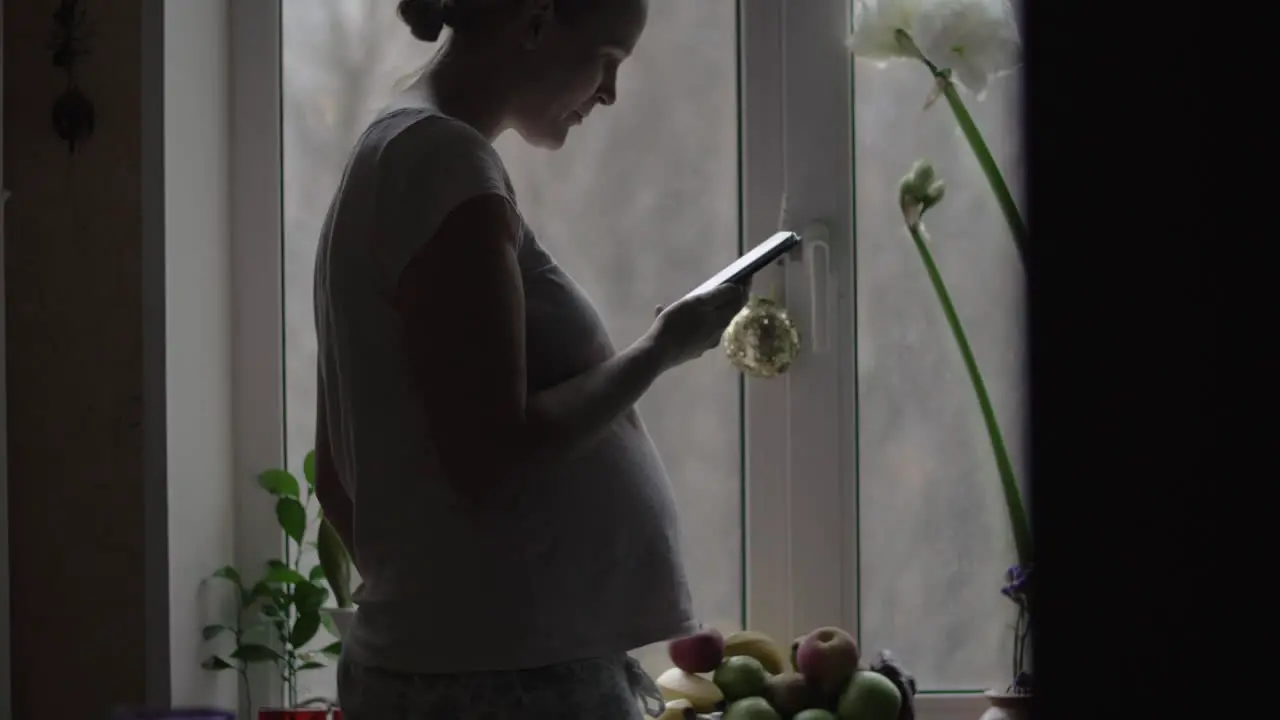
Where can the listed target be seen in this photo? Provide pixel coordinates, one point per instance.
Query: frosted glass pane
(640, 206)
(933, 532)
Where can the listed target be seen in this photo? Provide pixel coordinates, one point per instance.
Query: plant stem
(995, 178)
(1009, 483)
(1022, 639)
(1017, 633)
(248, 691)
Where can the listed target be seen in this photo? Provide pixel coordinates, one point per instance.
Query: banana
(759, 646)
(676, 684)
(679, 710)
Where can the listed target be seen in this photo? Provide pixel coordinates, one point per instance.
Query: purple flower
(1017, 584)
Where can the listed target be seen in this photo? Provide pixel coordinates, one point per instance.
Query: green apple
(789, 693)
(815, 714)
(740, 676)
(869, 696)
(751, 708)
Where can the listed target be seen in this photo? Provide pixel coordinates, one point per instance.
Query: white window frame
(800, 457)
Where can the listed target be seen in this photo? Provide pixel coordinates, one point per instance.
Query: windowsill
(950, 706)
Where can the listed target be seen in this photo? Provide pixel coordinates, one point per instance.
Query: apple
(870, 696)
(789, 693)
(752, 708)
(740, 676)
(815, 714)
(827, 657)
(698, 653)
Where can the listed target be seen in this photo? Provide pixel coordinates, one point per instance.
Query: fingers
(727, 294)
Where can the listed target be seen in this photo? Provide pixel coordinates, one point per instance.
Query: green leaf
(210, 632)
(333, 649)
(336, 562)
(280, 483)
(254, 652)
(285, 575)
(304, 628)
(312, 666)
(227, 573)
(330, 626)
(309, 596)
(261, 591)
(259, 632)
(309, 469)
(292, 517)
(316, 574)
(214, 662)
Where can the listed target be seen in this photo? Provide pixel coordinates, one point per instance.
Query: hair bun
(425, 18)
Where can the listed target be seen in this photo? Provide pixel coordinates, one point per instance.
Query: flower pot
(1007, 706)
(299, 714)
(342, 619)
(174, 714)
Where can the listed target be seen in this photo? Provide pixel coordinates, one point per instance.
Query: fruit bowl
(342, 619)
(748, 676)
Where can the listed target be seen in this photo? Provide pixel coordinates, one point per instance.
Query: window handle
(817, 257)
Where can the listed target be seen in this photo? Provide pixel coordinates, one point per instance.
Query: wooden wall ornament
(73, 112)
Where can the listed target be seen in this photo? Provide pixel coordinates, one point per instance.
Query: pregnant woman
(477, 443)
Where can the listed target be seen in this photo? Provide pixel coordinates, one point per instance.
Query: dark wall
(75, 371)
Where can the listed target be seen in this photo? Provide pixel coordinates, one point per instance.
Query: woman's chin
(552, 138)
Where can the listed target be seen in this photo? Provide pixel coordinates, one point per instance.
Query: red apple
(698, 653)
(827, 657)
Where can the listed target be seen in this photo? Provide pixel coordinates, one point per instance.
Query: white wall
(198, 338)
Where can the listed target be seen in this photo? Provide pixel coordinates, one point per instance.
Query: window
(855, 491)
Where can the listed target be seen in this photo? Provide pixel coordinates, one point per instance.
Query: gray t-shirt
(584, 559)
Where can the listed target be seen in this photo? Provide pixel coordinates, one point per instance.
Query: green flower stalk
(1004, 198)
(919, 191)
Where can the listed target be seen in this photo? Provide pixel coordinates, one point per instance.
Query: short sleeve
(425, 171)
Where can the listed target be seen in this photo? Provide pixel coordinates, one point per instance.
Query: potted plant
(279, 614)
(970, 41)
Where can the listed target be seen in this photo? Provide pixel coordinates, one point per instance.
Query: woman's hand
(693, 325)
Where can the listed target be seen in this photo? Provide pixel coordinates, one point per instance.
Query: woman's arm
(462, 304)
(335, 503)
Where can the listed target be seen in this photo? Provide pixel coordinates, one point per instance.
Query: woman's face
(572, 68)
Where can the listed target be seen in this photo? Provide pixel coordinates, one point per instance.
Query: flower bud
(922, 174)
(933, 195)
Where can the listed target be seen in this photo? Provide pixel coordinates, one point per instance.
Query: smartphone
(755, 260)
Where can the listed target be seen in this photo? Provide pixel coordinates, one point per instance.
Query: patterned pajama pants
(610, 688)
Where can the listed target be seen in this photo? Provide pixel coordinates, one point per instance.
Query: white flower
(875, 24)
(975, 39)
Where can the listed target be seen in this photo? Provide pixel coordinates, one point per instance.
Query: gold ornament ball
(761, 340)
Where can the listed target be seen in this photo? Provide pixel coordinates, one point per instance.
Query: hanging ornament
(761, 340)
